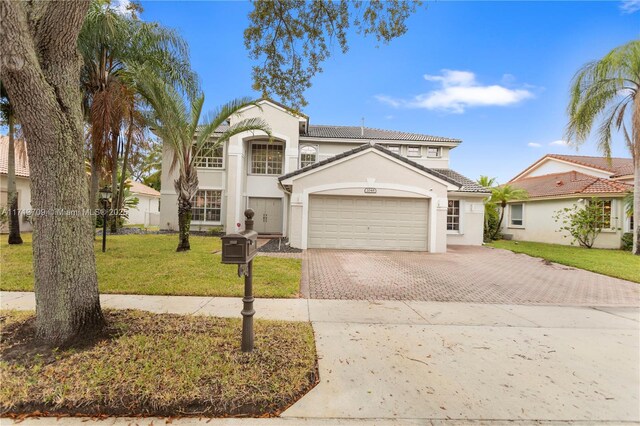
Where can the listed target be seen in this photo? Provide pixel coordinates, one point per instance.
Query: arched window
(308, 155)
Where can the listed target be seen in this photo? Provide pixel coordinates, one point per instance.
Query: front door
(268, 217)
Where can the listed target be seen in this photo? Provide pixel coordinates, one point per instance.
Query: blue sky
(494, 74)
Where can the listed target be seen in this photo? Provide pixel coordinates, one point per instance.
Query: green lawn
(150, 364)
(149, 264)
(615, 263)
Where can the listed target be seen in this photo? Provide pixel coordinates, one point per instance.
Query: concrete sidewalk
(396, 362)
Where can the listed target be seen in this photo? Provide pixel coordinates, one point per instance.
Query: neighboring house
(333, 186)
(556, 182)
(23, 184)
(147, 212)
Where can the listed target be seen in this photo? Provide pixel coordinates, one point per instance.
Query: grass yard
(615, 263)
(149, 264)
(164, 365)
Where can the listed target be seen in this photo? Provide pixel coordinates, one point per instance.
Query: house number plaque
(370, 190)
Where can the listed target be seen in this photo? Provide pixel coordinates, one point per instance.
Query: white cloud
(459, 90)
(534, 145)
(630, 6)
(121, 6)
(559, 142)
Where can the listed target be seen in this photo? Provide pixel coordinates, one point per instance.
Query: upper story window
(266, 158)
(211, 156)
(434, 151)
(308, 155)
(604, 213)
(394, 148)
(516, 214)
(453, 215)
(413, 151)
(206, 205)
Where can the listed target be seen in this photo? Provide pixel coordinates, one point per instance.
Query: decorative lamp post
(105, 197)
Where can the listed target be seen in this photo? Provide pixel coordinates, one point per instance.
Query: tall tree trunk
(635, 135)
(184, 223)
(125, 160)
(12, 193)
(94, 185)
(114, 178)
(498, 228)
(41, 70)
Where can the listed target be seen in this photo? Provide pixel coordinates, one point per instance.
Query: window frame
(511, 224)
(250, 170)
(392, 147)
(460, 207)
(418, 147)
(611, 227)
(222, 158)
(205, 208)
(316, 153)
(438, 152)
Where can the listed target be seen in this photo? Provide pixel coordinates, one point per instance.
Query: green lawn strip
(164, 365)
(149, 264)
(614, 263)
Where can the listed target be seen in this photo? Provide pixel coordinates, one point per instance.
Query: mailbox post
(240, 249)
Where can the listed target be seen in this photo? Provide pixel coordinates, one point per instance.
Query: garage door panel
(374, 223)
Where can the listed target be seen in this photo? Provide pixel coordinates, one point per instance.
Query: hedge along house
(333, 186)
(558, 181)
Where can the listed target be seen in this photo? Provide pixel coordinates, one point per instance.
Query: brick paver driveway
(463, 274)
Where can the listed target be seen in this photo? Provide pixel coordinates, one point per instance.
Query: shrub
(583, 223)
(627, 241)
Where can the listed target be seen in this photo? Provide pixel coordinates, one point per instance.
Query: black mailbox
(241, 248)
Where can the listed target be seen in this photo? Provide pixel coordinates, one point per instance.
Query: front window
(517, 214)
(453, 215)
(604, 213)
(308, 156)
(206, 205)
(210, 156)
(433, 152)
(394, 148)
(266, 159)
(413, 151)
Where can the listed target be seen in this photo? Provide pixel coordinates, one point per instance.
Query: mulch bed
(278, 245)
(146, 364)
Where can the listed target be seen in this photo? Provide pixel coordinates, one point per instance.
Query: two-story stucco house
(333, 186)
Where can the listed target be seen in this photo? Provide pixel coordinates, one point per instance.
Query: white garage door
(369, 223)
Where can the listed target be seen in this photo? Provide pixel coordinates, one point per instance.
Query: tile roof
(468, 185)
(569, 183)
(22, 162)
(357, 132)
(142, 189)
(465, 184)
(617, 166)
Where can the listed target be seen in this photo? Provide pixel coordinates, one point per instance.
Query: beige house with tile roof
(558, 181)
(340, 187)
(23, 184)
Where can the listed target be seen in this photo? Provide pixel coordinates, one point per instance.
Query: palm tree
(500, 196)
(181, 129)
(490, 210)
(8, 116)
(111, 44)
(607, 90)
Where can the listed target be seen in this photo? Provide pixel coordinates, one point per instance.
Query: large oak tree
(40, 66)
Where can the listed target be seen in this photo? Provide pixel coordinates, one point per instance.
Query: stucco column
(234, 190)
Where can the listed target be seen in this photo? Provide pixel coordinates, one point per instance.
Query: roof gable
(569, 183)
(617, 167)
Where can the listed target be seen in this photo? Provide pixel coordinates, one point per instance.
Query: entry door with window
(268, 215)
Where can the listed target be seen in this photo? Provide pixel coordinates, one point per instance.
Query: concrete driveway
(463, 274)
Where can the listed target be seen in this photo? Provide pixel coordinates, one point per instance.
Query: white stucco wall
(551, 165)
(371, 169)
(539, 225)
(23, 186)
(471, 221)
(147, 205)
